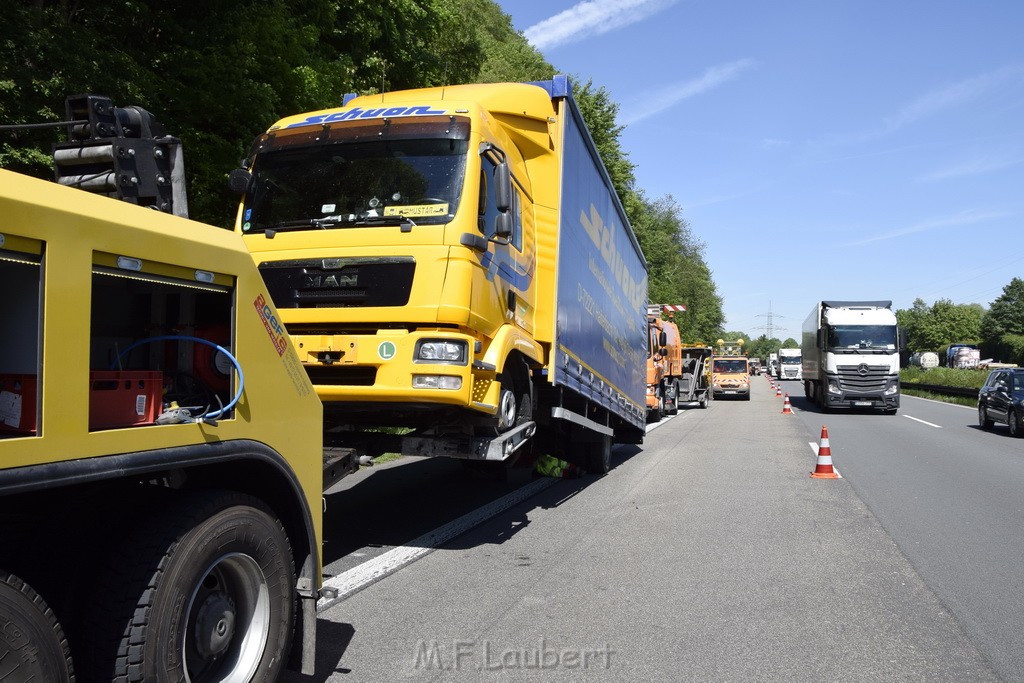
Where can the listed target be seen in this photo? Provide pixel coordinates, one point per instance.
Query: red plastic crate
(123, 398)
(117, 398)
(18, 403)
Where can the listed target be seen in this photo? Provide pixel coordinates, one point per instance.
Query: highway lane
(952, 497)
(709, 554)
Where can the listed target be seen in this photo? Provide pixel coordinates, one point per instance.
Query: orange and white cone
(787, 409)
(824, 469)
(778, 390)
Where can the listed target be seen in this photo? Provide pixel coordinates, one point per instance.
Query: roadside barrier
(823, 469)
(787, 409)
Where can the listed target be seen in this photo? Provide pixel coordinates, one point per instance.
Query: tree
(933, 328)
(216, 74)
(1002, 327)
(507, 56)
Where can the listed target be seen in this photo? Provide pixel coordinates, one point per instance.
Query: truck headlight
(833, 387)
(441, 351)
(891, 389)
(436, 382)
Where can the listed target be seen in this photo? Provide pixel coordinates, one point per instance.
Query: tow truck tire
(32, 643)
(204, 590)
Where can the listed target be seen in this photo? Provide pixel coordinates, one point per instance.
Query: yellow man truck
(160, 450)
(454, 261)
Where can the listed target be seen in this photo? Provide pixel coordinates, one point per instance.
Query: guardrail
(939, 389)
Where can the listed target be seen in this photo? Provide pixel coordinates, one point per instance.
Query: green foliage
(599, 112)
(932, 328)
(216, 74)
(678, 273)
(946, 377)
(762, 346)
(507, 56)
(1002, 327)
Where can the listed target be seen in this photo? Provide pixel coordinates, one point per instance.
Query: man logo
(330, 281)
(386, 350)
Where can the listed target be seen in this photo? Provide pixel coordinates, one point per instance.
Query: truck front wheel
(204, 591)
(33, 646)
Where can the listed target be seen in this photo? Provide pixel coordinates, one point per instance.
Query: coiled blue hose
(181, 337)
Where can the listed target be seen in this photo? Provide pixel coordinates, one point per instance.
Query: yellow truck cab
(454, 261)
(730, 371)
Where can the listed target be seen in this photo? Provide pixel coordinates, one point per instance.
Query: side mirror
(240, 180)
(503, 189)
(663, 339)
(503, 227)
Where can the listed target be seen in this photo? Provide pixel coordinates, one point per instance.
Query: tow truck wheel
(33, 646)
(204, 591)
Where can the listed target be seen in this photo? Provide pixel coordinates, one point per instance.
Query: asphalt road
(707, 554)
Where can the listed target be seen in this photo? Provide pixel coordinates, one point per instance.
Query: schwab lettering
(603, 237)
(360, 113)
(319, 281)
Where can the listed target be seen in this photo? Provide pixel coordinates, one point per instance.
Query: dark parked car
(1001, 399)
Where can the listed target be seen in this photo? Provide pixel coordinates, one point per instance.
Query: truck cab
(730, 371)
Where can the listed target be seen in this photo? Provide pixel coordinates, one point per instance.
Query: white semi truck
(789, 365)
(851, 355)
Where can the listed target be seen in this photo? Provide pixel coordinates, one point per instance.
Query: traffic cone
(786, 408)
(824, 469)
(778, 390)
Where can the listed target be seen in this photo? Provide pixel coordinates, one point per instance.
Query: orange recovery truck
(670, 371)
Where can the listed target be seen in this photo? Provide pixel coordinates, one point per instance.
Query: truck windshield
(857, 337)
(730, 366)
(790, 360)
(359, 173)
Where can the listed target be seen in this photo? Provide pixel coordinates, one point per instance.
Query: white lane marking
(354, 580)
(923, 422)
(814, 449)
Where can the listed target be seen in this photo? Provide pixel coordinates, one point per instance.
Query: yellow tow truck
(161, 461)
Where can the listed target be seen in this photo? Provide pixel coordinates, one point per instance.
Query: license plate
(862, 403)
(730, 391)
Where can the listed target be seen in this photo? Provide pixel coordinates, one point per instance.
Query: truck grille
(862, 378)
(339, 282)
(342, 375)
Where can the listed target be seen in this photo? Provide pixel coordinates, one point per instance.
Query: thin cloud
(954, 95)
(969, 217)
(594, 17)
(660, 100)
(975, 167)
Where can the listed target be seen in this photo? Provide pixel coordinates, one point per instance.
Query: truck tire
(673, 391)
(203, 590)
(514, 404)
(32, 646)
(599, 457)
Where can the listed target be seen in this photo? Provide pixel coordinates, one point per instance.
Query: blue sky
(820, 149)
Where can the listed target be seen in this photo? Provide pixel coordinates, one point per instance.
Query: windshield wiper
(404, 221)
(322, 223)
